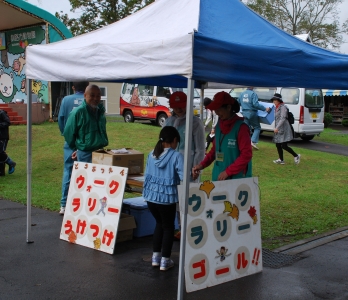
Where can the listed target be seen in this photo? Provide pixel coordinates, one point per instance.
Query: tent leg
(186, 186)
(29, 159)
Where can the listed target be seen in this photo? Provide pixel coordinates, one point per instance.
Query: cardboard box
(134, 160)
(125, 228)
(264, 116)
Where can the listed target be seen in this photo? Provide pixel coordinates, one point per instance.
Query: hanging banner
(94, 206)
(223, 238)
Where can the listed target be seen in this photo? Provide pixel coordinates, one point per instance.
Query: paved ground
(51, 268)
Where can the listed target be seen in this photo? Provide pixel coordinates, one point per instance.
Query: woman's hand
(276, 130)
(74, 155)
(196, 171)
(222, 176)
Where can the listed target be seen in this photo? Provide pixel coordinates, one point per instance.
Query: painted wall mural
(12, 65)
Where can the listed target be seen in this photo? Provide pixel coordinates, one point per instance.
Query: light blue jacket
(248, 100)
(67, 105)
(162, 176)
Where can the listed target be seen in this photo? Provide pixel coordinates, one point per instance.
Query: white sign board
(223, 238)
(94, 206)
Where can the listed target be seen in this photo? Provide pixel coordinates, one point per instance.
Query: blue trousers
(68, 165)
(252, 120)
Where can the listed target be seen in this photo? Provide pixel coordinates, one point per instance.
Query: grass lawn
(296, 201)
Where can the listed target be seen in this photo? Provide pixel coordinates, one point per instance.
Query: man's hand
(74, 155)
(268, 109)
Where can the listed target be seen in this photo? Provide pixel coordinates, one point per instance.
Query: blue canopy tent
(187, 43)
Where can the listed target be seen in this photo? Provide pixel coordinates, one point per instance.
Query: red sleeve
(246, 153)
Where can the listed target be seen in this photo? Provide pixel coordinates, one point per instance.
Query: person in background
(85, 129)
(211, 116)
(249, 102)
(231, 151)
(282, 131)
(4, 137)
(68, 104)
(163, 173)
(178, 102)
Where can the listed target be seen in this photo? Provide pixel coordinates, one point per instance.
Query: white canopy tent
(189, 43)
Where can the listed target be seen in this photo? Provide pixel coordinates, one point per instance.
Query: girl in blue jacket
(164, 171)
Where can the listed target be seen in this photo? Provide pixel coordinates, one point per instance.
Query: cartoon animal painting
(18, 65)
(7, 88)
(135, 97)
(36, 87)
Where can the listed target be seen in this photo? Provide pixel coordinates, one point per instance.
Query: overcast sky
(53, 6)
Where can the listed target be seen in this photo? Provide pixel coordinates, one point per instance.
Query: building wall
(110, 94)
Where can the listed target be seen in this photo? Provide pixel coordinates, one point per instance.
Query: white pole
(201, 104)
(186, 185)
(29, 158)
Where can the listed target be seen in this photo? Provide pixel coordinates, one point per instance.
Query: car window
(314, 98)
(290, 95)
(195, 92)
(163, 92)
(264, 94)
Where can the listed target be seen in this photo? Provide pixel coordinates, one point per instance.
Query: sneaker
(254, 146)
(11, 168)
(156, 260)
(166, 264)
(279, 162)
(297, 159)
(62, 210)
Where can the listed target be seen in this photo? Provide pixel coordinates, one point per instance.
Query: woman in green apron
(231, 151)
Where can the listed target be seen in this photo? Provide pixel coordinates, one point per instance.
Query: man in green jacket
(85, 129)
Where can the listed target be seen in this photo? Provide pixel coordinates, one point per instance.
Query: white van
(307, 106)
(148, 102)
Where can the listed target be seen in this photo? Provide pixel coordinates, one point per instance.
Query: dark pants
(281, 146)
(3, 154)
(164, 230)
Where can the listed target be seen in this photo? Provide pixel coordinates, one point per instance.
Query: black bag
(291, 118)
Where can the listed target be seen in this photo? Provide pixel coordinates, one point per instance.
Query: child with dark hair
(164, 171)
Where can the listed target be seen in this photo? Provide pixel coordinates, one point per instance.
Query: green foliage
(319, 18)
(98, 13)
(327, 119)
(297, 201)
(345, 123)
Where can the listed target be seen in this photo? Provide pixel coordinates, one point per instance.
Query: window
(314, 98)
(264, 94)
(290, 95)
(104, 97)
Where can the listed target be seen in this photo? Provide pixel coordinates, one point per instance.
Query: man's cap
(220, 99)
(178, 100)
(277, 97)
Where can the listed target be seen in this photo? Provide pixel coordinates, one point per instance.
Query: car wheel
(161, 119)
(128, 117)
(307, 137)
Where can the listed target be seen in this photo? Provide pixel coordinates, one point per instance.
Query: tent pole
(29, 158)
(201, 104)
(186, 186)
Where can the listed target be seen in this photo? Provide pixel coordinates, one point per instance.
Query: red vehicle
(147, 102)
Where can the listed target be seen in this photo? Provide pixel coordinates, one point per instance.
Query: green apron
(228, 145)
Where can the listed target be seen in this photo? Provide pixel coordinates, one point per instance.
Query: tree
(319, 18)
(98, 13)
